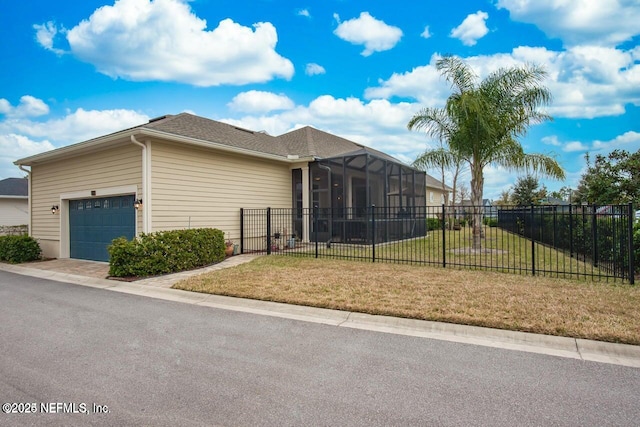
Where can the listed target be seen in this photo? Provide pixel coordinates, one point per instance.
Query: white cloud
(423, 83)
(14, 147)
(375, 35)
(426, 33)
(596, 22)
(551, 140)
(255, 101)
(629, 141)
(24, 135)
(313, 69)
(304, 12)
(472, 29)
(74, 127)
(163, 40)
(572, 146)
(586, 81)
(45, 35)
(29, 107)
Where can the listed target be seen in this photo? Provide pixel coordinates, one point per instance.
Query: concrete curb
(588, 350)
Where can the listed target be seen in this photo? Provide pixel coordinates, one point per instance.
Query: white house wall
(14, 211)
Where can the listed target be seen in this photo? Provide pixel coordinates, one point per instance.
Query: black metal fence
(560, 241)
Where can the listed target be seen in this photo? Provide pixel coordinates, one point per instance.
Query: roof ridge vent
(160, 118)
(244, 130)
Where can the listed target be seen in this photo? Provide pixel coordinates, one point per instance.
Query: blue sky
(71, 71)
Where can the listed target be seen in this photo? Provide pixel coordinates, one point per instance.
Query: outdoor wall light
(137, 204)
(55, 209)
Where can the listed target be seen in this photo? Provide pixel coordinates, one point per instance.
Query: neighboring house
(14, 202)
(435, 194)
(184, 171)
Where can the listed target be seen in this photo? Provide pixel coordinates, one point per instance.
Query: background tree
(504, 200)
(526, 191)
(565, 193)
(612, 179)
(463, 193)
(482, 120)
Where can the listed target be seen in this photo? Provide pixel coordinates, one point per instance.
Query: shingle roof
(14, 187)
(434, 183)
(204, 129)
(304, 142)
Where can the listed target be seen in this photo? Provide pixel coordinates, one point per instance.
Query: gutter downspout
(145, 185)
(28, 171)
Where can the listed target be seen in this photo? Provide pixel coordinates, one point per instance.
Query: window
(431, 196)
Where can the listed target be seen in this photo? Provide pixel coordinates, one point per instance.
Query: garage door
(94, 223)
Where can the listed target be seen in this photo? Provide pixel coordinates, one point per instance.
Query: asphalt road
(145, 361)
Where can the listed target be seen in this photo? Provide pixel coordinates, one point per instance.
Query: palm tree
(481, 122)
(441, 157)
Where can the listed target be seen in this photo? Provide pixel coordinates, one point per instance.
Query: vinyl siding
(194, 187)
(114, 167)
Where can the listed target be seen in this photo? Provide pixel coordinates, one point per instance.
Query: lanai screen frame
(343, 188)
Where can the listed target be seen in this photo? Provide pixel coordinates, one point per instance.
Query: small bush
(433, 224)
(165, 252)
(462, 222)
(491, 222)
(16, 249)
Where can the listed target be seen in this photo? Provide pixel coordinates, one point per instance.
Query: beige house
(185, 171)
(435, 193)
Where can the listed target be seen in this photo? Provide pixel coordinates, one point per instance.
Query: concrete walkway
(159, 287)
(100, 270)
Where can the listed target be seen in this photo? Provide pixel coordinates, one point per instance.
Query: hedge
(16, 249)
(165, 252)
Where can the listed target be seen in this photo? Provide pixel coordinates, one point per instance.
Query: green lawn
(501, 251)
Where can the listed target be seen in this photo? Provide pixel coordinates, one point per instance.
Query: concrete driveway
(77, 268)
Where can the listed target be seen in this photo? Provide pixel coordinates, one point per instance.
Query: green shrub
(462, 222)
(16, 249)
(491, 222)
(434, 224)
(165, 252)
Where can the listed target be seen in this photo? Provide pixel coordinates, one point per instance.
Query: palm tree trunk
(477, 182)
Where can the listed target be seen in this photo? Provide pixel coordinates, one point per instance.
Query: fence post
(241, 230)
(632, 272)
(444, 237)
(594, 236)
(533, 246)
(315, 226)
(571, 230)
(268, 231)
(373, 233)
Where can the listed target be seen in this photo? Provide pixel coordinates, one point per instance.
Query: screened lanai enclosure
(346, 191)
